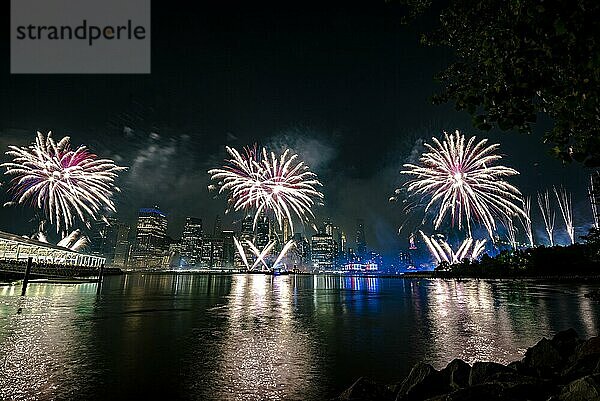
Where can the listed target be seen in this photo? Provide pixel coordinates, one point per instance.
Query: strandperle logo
(80, 36)
(85, 31)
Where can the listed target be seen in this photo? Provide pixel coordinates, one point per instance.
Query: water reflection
(257, 337)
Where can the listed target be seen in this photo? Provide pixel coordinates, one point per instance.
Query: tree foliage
(517, 59)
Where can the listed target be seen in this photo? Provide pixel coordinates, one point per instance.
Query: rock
(366, 390)
(422, 382)
(589, 347)
(481, 372)
(565, 342)
(487, 392)
(585, 389)
(543, 359)
(456, 374)
(584, 366)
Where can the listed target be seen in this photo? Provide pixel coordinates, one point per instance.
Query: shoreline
(564, 368)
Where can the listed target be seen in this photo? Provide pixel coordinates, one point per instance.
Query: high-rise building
(322, 251)
(263, 233)
(218, 227)
(212, 253)
(228, 249)
(151, 239)
(122, 246)
(361, 243)
(191, 242)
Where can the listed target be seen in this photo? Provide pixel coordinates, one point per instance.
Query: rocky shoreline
(565, 368)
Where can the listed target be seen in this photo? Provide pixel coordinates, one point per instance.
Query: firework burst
(65, 184)
(267, 183)
(459, 178)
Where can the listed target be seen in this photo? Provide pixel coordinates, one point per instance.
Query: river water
(256, 337)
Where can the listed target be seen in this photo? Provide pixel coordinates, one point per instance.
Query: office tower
(122, 246)
(150, 242)
(228, 249)
(212, 253)
(103, 239)
(263, 233)
(191, 242)
(218, 227)
(322, 250)
(361, 243)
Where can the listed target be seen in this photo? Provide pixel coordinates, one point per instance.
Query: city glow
(459, 178)
(65, 184)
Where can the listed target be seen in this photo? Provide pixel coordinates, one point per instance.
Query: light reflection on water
(254, 337)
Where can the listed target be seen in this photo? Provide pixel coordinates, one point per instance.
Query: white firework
(459, 178)
(548, 214)
(65, 184)
(566, 210)
(266, 183)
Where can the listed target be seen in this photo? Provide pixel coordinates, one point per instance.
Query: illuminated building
(17, 249)
(191, 241)
(361, 242)
(212, 253)
(263, 233)
(228, 249)
(150, 243)
(122, 246)
(322, 251)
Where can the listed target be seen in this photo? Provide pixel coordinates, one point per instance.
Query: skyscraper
(122, 246)
(150, 242)
(191, 241)
(361, 243)
(322, 250)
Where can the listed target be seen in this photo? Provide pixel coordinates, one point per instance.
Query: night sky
(345, 86)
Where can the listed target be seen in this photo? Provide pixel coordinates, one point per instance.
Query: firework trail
(566, 209)
(592, 193)
(65, 184)
(548, 214)
(442, 252)
(460, 179)
(511, 232)
(261, 256)
(265, 183)
(526, 220)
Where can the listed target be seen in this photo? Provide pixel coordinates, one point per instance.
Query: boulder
(366, 390)
(543, 359)
(486, 392)
(456, 374)
(585, 389)
(482, 372)
(565, 343)
(584, 366)
(422, 382)
(588, 347)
